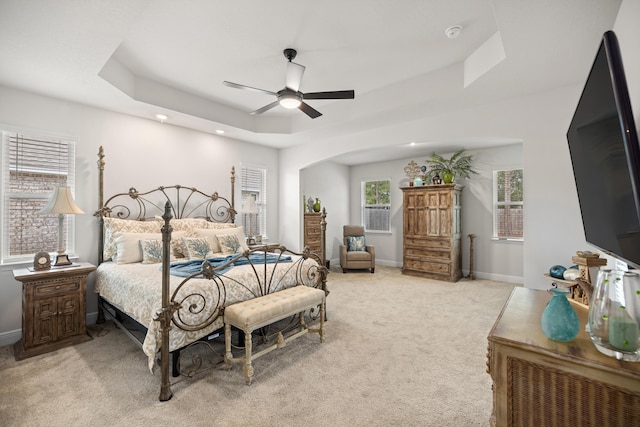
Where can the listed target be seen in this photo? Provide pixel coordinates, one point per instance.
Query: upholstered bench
(258, 312)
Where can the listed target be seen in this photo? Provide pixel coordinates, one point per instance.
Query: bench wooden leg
(227, 346)
(247, 368)
(322, 313)
(302, 325)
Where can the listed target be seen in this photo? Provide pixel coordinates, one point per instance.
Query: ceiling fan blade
(265, 108)
(294, 75)
(254, 89)
(336, 94)
(309, 111)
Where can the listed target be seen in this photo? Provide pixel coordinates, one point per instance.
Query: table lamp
(61, 202)
(250, 208)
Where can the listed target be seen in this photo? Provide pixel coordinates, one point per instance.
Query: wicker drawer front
(49, 288)
(427, 266)
(543, 396)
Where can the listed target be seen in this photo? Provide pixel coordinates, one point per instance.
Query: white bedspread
(136, 289)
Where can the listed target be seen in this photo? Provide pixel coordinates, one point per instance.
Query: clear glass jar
(614, 314)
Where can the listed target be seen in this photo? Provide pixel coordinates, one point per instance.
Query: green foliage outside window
(510, 185)
(377, 192)
(376, 208)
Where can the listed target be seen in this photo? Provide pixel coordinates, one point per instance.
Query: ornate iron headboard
(185, 202)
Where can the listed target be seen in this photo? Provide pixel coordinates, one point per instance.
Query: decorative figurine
(412, 170)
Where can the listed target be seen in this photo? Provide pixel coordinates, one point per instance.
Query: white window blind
(32, 166)
(253, 181)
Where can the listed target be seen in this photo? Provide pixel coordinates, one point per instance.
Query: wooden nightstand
(53, 308)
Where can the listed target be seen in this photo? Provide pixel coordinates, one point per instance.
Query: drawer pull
(57, 287)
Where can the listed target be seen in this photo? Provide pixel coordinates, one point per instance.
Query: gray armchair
(361, 256)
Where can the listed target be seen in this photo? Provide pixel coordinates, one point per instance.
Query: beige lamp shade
(61, 202)
(250, 206)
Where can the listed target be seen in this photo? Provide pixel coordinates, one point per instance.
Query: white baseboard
(336, 263)
(497, 277)
(8, 338)
(388, 263)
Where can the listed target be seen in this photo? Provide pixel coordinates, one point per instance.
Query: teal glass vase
(559, 319)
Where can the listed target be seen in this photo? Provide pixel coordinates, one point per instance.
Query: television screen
(606, 157)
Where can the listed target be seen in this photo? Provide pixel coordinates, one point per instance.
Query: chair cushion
(354, 256)
(355, 244)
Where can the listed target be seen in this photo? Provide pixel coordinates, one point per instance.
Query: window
(32, 166)
(508, 204)
(253, 182)
(376, 205)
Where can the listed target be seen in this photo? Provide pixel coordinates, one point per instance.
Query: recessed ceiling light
(161, 117)
(219, 131)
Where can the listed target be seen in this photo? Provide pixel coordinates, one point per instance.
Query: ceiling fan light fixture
(290, 101)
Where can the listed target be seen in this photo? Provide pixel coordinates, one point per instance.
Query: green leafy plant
(458, 165)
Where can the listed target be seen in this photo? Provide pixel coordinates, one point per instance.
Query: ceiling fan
(290, 96)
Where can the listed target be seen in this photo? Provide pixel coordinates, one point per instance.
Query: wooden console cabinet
(540, 382)
(431, 231)
(53, 308)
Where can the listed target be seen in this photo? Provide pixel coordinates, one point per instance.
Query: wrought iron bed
(193, 306)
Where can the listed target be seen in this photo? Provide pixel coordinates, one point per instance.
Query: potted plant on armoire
(458, 165)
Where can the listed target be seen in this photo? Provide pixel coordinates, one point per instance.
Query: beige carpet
(398, 351)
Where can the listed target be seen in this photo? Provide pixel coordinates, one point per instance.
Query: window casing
(253, 183)
(508, 204)
(376, 205)
(32, 166)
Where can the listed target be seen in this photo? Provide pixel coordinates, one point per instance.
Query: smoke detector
(454, 31)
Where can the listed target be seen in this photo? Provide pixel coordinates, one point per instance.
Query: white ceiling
(143, 57)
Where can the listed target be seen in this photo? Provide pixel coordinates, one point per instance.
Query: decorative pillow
(128, 246)
(112, 226)
(190, 227)
(151, 251)
(218, 225)
(229, 243)
(214, 241)
(355, 243)
(210, 235)
(197, 247)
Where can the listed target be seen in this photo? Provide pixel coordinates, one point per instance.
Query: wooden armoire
(431, 231)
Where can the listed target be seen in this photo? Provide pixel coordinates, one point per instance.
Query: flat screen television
(605, 154)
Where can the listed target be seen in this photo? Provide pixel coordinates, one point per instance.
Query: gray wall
(553, 228)
(493, 259)
(140, 153)
(329, 182)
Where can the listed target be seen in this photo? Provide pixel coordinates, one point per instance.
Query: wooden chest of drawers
(53, 309)
(431, 231)
(313, 232)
